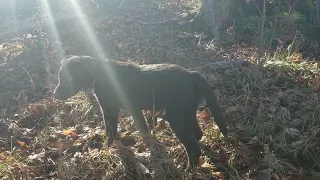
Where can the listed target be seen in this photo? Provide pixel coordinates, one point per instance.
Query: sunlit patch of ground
(67, 139)
(272, 114)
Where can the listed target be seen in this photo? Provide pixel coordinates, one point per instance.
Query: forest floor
(273, 116)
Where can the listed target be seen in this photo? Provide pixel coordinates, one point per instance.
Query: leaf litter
(273, 117)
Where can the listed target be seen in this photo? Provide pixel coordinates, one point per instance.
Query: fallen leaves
(70, 132)
(126, 139)
(205, 116)
(21, 143)
(37, 157)
(63, 144)
(266, 113)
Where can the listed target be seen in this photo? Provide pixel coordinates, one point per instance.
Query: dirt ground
(273, 115)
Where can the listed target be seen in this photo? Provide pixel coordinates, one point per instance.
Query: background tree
(214, 14)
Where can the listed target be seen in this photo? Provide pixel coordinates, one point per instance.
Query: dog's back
(162, 85)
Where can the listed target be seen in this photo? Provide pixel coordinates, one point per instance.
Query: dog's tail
(204, 89)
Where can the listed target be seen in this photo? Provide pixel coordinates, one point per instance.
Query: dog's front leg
(110, 115)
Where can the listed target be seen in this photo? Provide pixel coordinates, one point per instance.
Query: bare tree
(214, 13)
(318, 11)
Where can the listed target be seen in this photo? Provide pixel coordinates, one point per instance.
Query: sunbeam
(101, 55)
(53, 29)
(13, 8)
(54, 32)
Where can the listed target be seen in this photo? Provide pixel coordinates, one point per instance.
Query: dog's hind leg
(110, 117)
(183, 123)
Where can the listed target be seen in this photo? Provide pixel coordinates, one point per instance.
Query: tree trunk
(214, 13)
(318, 12)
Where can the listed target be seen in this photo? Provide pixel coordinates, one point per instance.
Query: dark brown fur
(143, 87)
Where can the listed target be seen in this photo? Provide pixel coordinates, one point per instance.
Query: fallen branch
(221, 64)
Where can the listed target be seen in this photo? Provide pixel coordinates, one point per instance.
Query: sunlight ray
(13, 8)
(100, 52)
(59, 52)
(53, 29)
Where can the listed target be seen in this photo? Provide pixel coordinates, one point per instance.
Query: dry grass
(260, 111)
(273, 115)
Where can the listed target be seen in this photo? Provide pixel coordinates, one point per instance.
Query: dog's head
(75, 74)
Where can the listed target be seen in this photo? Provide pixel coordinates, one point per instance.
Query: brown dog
(143, 87)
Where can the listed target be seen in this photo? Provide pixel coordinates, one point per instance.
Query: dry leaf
(21, 143)
(77, 143)
(207, 166)
(122, 135)
(218, 174)
(38, 156)
(67, 132)
(73, 134)
(206, 116)
(64, 144)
